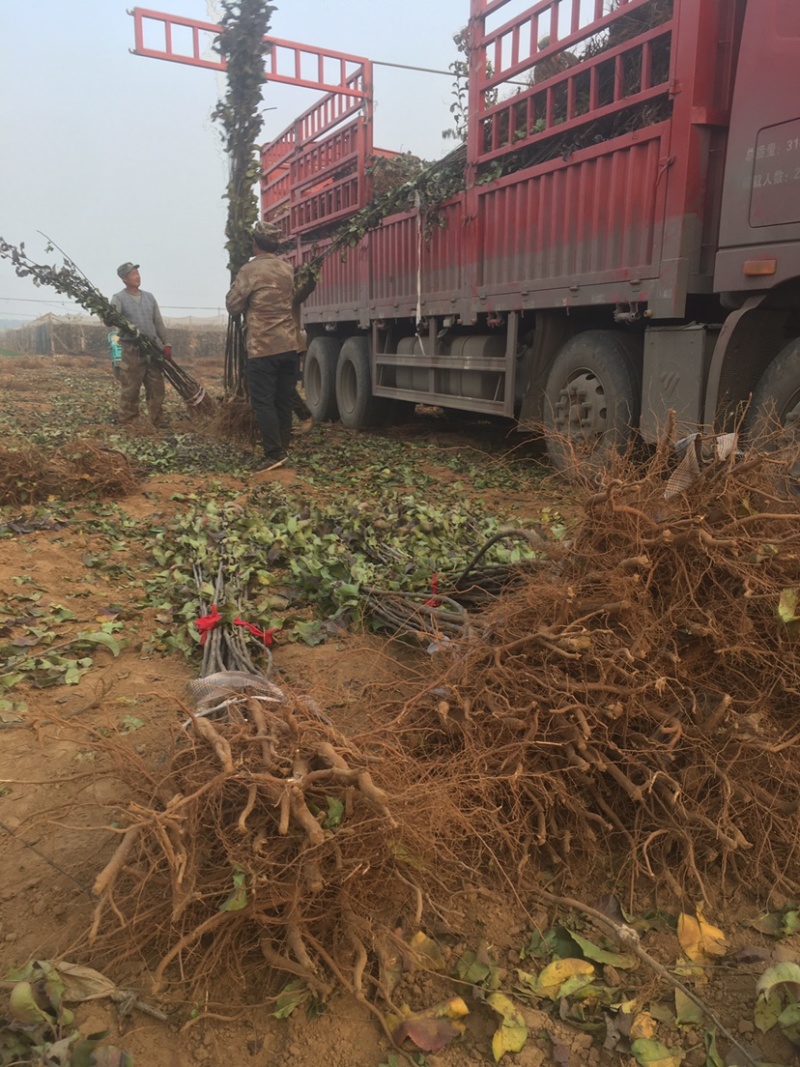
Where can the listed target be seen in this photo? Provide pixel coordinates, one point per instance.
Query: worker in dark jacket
(266, 292)
(137, 369)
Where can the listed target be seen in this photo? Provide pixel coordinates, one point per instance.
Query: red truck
(651, 262)
(626, 241)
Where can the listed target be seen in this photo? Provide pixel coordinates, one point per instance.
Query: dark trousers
(272, 385)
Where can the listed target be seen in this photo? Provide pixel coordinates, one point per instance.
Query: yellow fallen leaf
(512, 1034)
(643, 1025)
(628, 1007)
(429, 950)
(556, 973)
(454, 1008)
(695, 972)
(698, 938)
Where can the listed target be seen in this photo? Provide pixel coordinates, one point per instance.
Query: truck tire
(592, 400)
(776, 399)
(775, 404)
(358, 408)
(319, 379)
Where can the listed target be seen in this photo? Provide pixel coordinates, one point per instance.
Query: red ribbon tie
(264, 635)
(434, 601)
(206, 623)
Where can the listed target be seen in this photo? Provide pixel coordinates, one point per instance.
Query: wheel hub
(581, 409)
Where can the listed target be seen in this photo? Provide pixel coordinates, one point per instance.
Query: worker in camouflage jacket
(136, 368)
(267, 292)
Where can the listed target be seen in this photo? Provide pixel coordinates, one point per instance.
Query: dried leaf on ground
(433, 1029)
(555, 974)
(512, 1033)
(698, 938)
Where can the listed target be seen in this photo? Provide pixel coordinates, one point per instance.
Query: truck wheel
(357, 406)
(776, 399)
(592, 399)
(319, 379)
(775, 404)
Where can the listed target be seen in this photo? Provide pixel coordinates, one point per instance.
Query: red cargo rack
(315, 171)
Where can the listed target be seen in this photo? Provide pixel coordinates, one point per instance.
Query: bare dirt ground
(73, 566)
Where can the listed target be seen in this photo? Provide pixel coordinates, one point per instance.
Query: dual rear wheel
(338, 384)
(319, 378)
(592, 399)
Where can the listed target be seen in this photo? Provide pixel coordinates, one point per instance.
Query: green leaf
(309, 632)
(23, 1007)
(687, 1013)
(403, 855)
(789, 1023)
(771, 924)
(777, 975)
(470, 969)
(15, 1047)
(769, 1006)
(526, 982)
(335, 813)
(100, 638)
(62, 614)
(713, 1058)
(238, 898)
(87, 1054)
(787, 606)
(555, 942)
(777, 923)
(8, 681)
(600, 955)
(293, 995)
(663, 1013)
(130, 723)
(651, 1053)
(573, 985)
(53, 985)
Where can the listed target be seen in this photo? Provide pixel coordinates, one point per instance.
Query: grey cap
(124, 269)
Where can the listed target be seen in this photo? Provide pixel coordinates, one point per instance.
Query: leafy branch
(458, 108)
(241, 44)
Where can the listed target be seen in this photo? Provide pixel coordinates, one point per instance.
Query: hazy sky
(115, 156)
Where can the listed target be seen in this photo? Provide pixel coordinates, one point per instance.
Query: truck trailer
(626, 243)
(621, 252)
